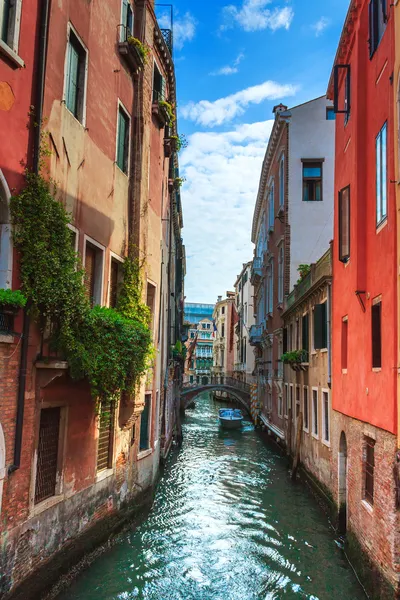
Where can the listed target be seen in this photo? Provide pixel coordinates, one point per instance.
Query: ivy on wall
(112, 348)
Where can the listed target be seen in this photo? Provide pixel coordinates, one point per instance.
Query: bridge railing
(222, 380)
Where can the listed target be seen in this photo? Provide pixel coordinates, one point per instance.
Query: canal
(227, 524)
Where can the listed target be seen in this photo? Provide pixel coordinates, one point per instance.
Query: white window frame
(86, 240)
(291, 398)
(286, 401)
(121, 34)
(70, 28)
(76, 231)
(100, 475)
(306, 429)
(118, 259)
(315, 435)
(11, 47)
(280, 405)
(325, 441)
(123, 108)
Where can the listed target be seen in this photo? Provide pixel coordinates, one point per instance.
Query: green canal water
(227, 524)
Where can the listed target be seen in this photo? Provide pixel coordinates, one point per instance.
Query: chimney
(279, 108)
(219, 298)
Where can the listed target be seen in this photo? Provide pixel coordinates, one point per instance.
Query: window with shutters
(320, 328)
(223, 330)
(290, 402)
(271, 207)
(286, 400)
(315, 412)
(126, 21)
(116, 278)
(312, 180)
(10, 19)
(75, 77)
(377, 23)
(342, 74)
(145, 424)
(305, 409)
(280, 406)
(282, 181)
(344, 224)
(381, 175)
(369, 469)
(326, 438)
(47, 454)
(105, 446)
(94, 264)
(281, 274)
(345, 336)
(376, 320)
(150, 301)
(159, 85)
(123, 137)
(305, 339)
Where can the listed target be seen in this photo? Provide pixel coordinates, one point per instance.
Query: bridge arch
(239, 390)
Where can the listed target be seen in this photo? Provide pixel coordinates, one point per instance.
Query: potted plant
(295, 359)
(11, 301)
(178, 182)
(303, 271)
(142, 49)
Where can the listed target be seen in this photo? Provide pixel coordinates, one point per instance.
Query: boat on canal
(230, 418)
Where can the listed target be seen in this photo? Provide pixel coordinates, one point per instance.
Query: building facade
(108, 150)
(292, 227)
(225, 319)
(244, 356)
(199, 345)
(365, 301)
(304, 402)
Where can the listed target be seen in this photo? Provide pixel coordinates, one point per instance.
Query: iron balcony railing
(168, 38)
(158, 97)
(255, 334)
(124, 33)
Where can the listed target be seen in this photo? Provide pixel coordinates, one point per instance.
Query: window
(145, 424)
(305, 340)
(208, 325)
(315, 412)
(106, 437)
(126, 20)
(381, 175)
(10, 18)
(150, 301)
(330, 113)
(377, 23)
(345, 336)
(320, 326)
(312, 180)
(191, 379)
(325, 417)
(270, 307)
(271, 207)
(281, 274)
(223, 310)
(305, 409)
(297, 401)
(159, 86)
(47, 454)
(282, 182)
(116, 276)
(344, 224)
(192, 334)
(290, 407)
(75, 77)
(376, 319)
(123, 140)
(369, 468)
(347, 91)
(280, 405)
(6, 252)
(94, 260)
(286, 399)
(223, 330)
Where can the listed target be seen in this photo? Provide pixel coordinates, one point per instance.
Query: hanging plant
(111, 348)
(143, 49)
(179, 181)
(169, 108)
(15, 299)
(180, 142)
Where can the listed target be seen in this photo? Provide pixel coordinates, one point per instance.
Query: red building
(364, 292)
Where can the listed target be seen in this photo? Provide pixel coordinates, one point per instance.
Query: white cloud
(225, 109)
(222, 172)
(230, 69)
(320, 26)
(184, 28)
(254, 16)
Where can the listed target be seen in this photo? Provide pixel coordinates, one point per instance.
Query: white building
(244, 356)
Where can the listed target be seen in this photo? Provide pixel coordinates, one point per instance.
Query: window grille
(47, 456)
(369, 468)
(106, 434)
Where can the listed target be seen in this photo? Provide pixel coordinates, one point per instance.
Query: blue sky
(236, 59)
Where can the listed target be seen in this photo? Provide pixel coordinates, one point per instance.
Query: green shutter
(72, 79)
(124, 21)
(122, 145)
(163, 88)
(320, 326)
(305, 333)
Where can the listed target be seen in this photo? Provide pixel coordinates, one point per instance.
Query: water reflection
(227, 524)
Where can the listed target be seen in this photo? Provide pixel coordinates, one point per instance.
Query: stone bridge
(239, 390)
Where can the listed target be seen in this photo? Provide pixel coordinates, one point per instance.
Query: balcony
(160, 110)
(255, 335)
(129, 50)
(256, 270)
(168, 38)
(319, 271)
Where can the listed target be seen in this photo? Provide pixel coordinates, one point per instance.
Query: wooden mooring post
(296, 459)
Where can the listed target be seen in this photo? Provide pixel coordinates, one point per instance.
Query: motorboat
(230, 418)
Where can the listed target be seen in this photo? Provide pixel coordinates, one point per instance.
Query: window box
(297, 360)
(160, 113)
(131, 55)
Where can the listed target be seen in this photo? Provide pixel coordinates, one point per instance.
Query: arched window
(5, 235)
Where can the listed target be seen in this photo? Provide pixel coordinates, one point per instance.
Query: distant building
(244, 361)
(199, 361)
(224, 344)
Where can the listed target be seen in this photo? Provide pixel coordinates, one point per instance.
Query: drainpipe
(329, 304)
(41, 72)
